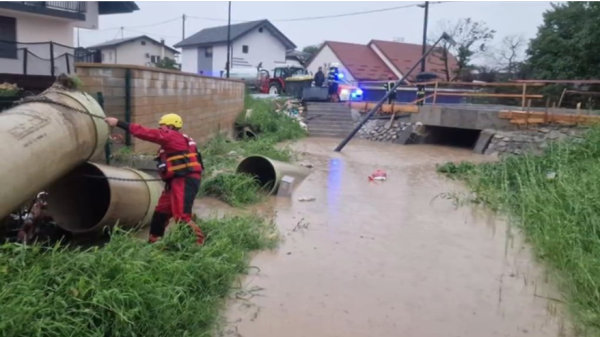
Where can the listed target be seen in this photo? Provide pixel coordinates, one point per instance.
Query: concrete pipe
(246, 133)
(269, 172)
(84, 202)
(41, 142)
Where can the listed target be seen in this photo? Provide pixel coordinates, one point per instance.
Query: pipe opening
(261, 168)
(246, 133)
(77, 202)
(455, 137)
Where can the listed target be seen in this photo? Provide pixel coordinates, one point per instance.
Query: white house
(139, 50)
(252, 43)
(34, 35)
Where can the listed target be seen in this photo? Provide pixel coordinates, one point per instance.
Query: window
(260, 30)
(155, 59)
(103, 57)
(8, 37)
(208, 52)
(143, 43)
(245, 49)
(110, 56)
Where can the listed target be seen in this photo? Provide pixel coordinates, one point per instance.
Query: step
(337, 130)
(329, 115)
(329, 119)
(328, 134)
(331, 125)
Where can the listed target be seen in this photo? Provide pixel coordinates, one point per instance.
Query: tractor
(276, 85)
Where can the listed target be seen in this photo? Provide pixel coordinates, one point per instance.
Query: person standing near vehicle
(180, 167)
(319, 78)
(388, 88)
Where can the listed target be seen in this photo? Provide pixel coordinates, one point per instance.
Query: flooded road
(391, 259)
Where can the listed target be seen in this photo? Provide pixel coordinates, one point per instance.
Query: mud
(396, 258)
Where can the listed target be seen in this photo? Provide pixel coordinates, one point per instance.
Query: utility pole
(424, 50)
(78, 45)
(228, 64)
(183, 28)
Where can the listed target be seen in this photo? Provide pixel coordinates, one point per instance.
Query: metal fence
(43, 58)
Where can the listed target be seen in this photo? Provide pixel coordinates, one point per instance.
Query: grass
(222, 155)
(128, 287)
(555, 198)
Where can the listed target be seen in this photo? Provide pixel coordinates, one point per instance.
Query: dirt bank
(391, 259)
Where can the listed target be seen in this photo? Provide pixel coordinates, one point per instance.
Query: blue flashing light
(340, 75)
(358, 92)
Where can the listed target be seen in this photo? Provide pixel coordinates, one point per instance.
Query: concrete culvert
(84, 201)
(269, 172)
(455, 137)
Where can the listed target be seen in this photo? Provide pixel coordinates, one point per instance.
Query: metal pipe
(385, 97)
(41, 142)
(84, 201)
(269, 172)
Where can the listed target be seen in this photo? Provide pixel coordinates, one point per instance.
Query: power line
(135, 27)
(327, 16)
(152, 34)
(158, 23)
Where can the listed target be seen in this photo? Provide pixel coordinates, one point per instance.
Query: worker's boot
(198, 232)
(157, 226)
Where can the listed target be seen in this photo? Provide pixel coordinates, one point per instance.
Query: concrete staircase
(329, 120)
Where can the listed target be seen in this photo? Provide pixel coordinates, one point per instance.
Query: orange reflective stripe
(182, 166)
(181, 156)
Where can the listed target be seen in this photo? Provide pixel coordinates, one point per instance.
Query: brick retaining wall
(206, 104)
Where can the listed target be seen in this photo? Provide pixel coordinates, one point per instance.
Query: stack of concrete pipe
(47, 146)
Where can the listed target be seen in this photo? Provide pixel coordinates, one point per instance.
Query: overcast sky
(507, 18)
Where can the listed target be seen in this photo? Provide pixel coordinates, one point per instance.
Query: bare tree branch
(471, 38)
(509, 53)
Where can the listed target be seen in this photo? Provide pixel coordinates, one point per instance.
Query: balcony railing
(69, 6)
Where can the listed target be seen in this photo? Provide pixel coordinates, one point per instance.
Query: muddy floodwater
(388, 259)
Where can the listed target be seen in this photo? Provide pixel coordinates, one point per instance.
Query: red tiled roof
(404, 55)
(361, 61)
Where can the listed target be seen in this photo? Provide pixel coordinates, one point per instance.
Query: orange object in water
(379, 175)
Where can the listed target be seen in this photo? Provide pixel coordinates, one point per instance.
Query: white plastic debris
(306, 199)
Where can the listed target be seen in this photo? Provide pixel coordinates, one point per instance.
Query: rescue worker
(319, 78)
(332, 79)
(388, 87)
(420, 94)
(180, 167)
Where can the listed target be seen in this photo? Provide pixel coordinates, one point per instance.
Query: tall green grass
(128, 287)
(555, 198)
(268, 123)
(221, 155)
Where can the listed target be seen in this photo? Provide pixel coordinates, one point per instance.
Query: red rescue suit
(180, 166)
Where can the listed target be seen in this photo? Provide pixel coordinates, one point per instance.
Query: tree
(312, 50)
(508, 54)
(567, 45)
(167, 63)
(471, 37)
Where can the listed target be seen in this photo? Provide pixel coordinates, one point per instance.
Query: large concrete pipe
(41, 142)
(269, 172)
(84, 201)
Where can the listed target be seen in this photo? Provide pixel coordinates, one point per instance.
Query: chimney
(162, 49)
